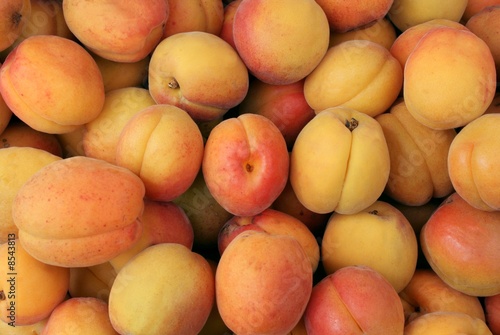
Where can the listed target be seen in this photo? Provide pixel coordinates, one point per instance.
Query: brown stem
(351, 124)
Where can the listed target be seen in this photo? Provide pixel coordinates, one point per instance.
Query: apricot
(484, 24)
(92, 281)
(46, 18)
(172, 288)
(460, 243)
(405, 14)
(343, 17)
(288, 203)
(447, 323)
(18, 134)
(473, 163)
(492, 308)
(162, 222)
(66, 92)
(357, 74)
(475, 6)
(83, 315)
(13, 17)
(354, 300)
(101, 135)
(114, 30)
(33, 329)
(29, 289)
(263, 283)
(339, 162)
(419, 157)
(194, 15)
(285, 105)
(431, 72)
(280, 44)
(198, 72)
(19, 165)
(406, 41)
(94, 212)
(379, 236)
(5, 114)
(427, 293)
(163, 146)
(116, 75)
(226, 32)
(381, 31)
(72, 142)
(246, 164)
(275, 223)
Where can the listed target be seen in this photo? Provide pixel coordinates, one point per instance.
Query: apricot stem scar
(16, 18)
(374, 212)
(351, 124)
(2, 295)
(249, 168)
(173, 83)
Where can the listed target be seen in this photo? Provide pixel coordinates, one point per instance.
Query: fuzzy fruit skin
(263, 283)
(121, 31)
(460, 243)
(185, 280)
(354, 300)
(328, 169)
(246, 164)
(447, 323)
(30, 289)
(280, 44)
(473, 163)
(198, 72)
(379, 236)
(95, 209)
(66, 92)
(13, 17)
(430, 72)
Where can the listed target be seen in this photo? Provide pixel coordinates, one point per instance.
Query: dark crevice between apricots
(351, 124)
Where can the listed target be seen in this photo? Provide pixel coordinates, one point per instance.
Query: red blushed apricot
(462, 245)
(354, 300)
(285, 105)
(245, 164)
(263, 283)
(93, 216)
(114, 30)
(343, 17)
(66, 92)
